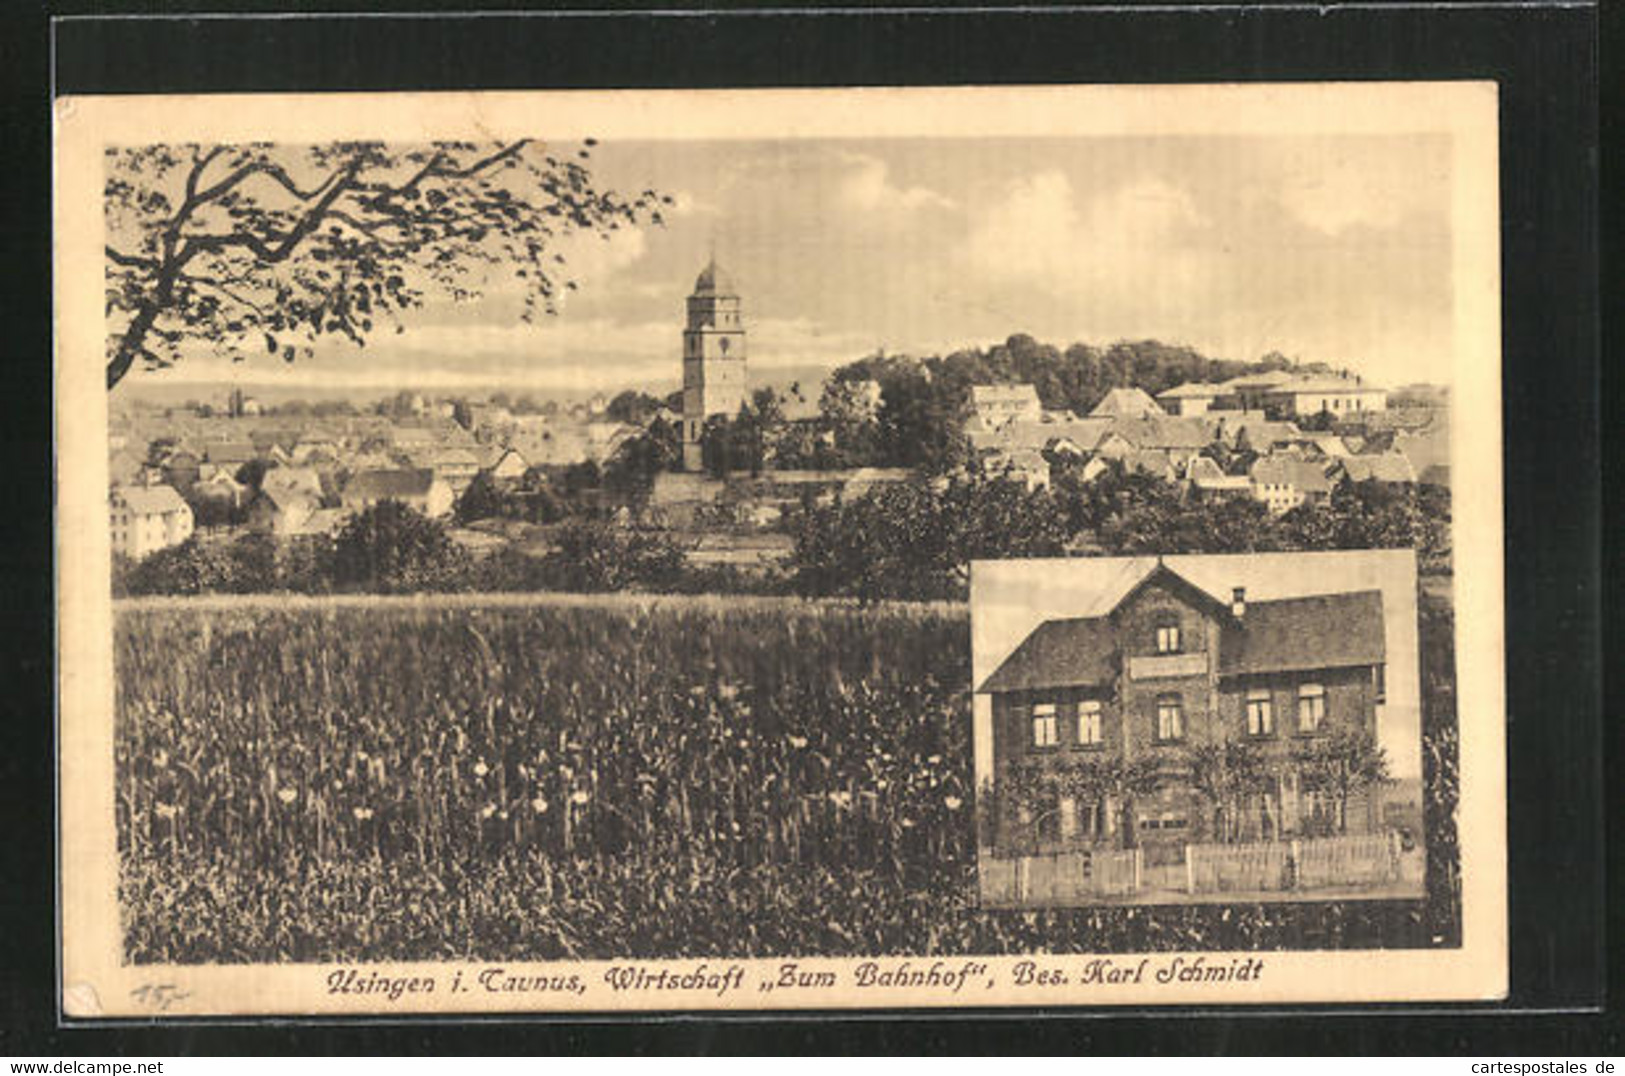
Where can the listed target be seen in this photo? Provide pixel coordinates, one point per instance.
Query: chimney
(1238, 602)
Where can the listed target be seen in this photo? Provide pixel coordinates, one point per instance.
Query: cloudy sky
(1329, 248)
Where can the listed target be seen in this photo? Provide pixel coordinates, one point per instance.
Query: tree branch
(131, 260)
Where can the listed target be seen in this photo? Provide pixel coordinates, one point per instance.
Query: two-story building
(1141, 688)
(146, 519)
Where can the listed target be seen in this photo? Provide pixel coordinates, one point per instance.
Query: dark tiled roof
(1317, 632)
(1124, 402)
(1058, 653)
(1388, 467)
(384, 485)
(1322, 631)
(1163, 431)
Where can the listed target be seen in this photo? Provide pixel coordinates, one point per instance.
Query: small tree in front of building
(1342, 765)
(1226, 774)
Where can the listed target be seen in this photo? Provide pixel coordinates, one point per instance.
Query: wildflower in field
(503, 814)
(579, 796)
(488, 810)
(362, 813)
(953, 803)
(287, 795)
(798, 742)
(934, 759)
(481, 769)
(841, 799)
(166, 810)
(160, 758)
(539, 805)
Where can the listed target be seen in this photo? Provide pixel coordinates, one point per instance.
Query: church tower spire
(713, 357)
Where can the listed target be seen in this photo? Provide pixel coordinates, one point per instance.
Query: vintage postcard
(763, 550)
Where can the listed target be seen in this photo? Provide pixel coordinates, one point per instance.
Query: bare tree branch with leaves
(262, 246)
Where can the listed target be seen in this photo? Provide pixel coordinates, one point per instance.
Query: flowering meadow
(467, 779)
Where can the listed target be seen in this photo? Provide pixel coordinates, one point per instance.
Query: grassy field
(544, 776)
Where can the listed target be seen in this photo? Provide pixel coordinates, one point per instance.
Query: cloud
(1037, 232)
(591, 261)
(1332, 191)
(688, 204)
(867, 186)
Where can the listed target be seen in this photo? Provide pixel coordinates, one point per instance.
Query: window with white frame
(1260, 713)
(1311, 707)
(1089, 722)
(1046, 730)
(1170, 718)
(1168, 638)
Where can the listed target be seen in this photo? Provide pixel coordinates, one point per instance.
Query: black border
(1545, 59)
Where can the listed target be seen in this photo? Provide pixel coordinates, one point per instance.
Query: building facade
(1106, 729)
(713, 358)
(146, 519)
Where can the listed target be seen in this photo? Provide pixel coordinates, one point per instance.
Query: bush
(189, 568)
(393, 548)
(915, 541)
(597, 555)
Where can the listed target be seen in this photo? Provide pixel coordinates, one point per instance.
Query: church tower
(713, 358)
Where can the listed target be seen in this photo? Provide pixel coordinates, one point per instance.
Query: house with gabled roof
(230, 454)
(995, 405)
(1182, 439)
(304, 480)
(1386, 468)
(282, 511)
(505, 464)
(1310, 395)
(1158, 669)
(1126, 403)
(1285, 482)
(1191, 398)
(148, 518)
(418, 488)
(1207, 479)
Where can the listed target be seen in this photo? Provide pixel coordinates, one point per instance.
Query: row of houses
(1277, 392)
(1015, 437)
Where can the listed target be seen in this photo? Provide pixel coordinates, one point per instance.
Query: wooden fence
(1061, 877)
(1263, 867)
(1230, 868)
(1371, 859)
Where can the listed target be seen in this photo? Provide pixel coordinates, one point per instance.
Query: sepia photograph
(1201, 728)
(767, 550)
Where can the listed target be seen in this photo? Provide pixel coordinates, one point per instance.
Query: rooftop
(386, 485)
(714, 280)
(1125, 402)
(150, 500)
(1192, 390)
(1319, 631)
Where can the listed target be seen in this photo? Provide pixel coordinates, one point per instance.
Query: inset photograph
(1185, 729)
